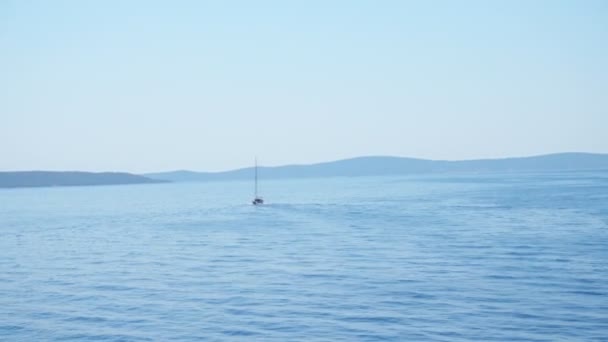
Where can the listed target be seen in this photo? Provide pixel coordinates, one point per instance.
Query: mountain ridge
(35, 179)
(392, 165)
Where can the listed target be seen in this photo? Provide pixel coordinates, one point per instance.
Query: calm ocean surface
(518, 257)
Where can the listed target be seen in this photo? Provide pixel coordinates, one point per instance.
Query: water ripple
(459, 258)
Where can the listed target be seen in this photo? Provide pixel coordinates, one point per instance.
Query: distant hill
(377, 166)
(51, 178)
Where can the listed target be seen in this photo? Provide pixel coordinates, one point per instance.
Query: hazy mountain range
(362, 166)
(377, 166)
(22, 179)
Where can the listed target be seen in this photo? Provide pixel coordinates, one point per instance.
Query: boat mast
(256, 177)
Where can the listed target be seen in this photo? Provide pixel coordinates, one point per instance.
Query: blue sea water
(487, 257)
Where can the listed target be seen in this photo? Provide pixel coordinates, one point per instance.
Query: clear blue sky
(206, 85)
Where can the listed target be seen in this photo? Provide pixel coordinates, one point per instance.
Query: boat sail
(257, 200)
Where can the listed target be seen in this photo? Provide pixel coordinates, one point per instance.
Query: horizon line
(379, 156)
(310, 164)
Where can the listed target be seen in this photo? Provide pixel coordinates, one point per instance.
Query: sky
(145, 86)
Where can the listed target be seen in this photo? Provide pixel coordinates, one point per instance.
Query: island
(26, 179)
(381, 166)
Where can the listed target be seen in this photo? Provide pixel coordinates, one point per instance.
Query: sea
(450, 257)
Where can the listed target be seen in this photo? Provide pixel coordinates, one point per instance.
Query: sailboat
(257, 200)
